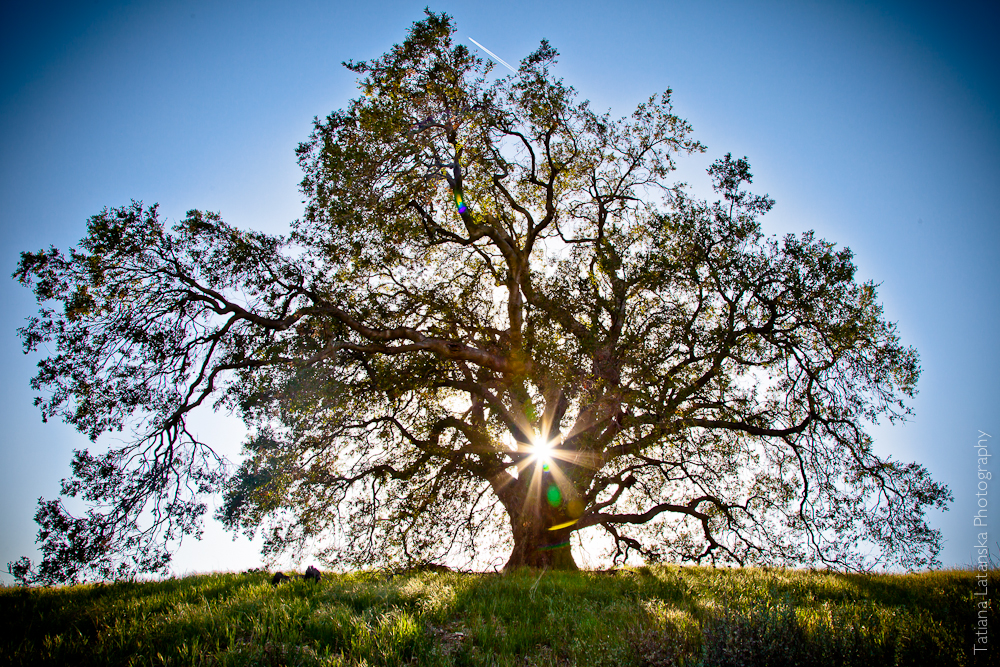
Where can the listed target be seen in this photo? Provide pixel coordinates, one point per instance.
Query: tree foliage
(486, 268)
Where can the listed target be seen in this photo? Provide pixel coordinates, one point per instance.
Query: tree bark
(534, 547)
(535, 543)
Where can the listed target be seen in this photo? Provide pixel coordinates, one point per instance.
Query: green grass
(645, 616)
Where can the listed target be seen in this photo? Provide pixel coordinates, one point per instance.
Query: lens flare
(460, 202)
(560, 526)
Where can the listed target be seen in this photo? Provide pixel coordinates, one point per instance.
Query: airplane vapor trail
(495, 56)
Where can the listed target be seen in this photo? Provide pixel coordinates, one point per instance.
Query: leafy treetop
(497, 324)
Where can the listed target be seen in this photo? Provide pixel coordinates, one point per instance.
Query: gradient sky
(875, 124)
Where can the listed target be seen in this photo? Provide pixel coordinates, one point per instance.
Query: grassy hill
(645, 616)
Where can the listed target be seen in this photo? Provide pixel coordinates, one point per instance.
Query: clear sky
(875, 124)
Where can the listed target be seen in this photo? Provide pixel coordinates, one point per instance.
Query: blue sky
(875, 124)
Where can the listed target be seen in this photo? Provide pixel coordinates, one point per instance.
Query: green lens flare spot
(545, 468)
(561, 545)
(553, 495)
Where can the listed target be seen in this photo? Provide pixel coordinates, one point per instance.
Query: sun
(542, 451)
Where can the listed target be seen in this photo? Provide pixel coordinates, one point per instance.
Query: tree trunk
(535, 543)
(536, 546)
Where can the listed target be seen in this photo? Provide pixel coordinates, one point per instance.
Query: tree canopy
(497, 323)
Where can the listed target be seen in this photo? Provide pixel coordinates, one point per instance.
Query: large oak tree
(497, 323)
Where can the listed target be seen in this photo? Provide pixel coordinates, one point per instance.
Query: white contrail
(495, 56)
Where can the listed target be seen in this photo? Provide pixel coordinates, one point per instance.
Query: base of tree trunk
(555, 553)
